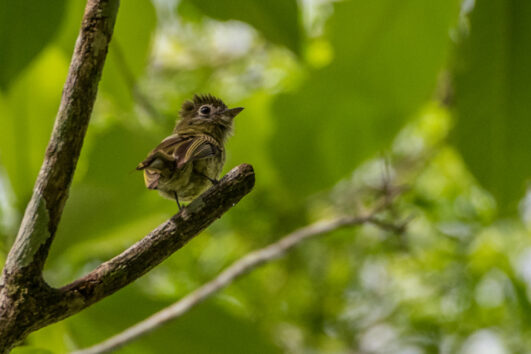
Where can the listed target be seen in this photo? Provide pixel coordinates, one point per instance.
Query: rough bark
(22, 290)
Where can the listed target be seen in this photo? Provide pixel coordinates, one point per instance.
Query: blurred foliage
(277, 20)
(128, 56)
(343, 100)
(380, 62)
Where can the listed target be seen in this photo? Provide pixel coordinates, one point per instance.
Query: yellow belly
(188, 183)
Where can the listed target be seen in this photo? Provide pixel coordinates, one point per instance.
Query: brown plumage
(185, 163)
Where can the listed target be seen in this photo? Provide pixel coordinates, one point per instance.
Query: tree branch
(160, 243)
(22, 289)
(51, 189)
(229, 275)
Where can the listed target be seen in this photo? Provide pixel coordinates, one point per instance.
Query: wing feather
(202, 147)
(167, 150)
(176, 151)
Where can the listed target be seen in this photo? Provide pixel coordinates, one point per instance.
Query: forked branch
(27, 302)
(22, 290)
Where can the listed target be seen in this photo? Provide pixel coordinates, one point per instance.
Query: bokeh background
(343, 99)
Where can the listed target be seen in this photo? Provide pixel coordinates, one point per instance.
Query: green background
(431, 95)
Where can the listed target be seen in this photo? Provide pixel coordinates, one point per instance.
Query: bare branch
(160, 243)
(22, 290)
(51, 189)
(225, 278)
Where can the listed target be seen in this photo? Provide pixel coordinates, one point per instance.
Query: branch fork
(27, 302)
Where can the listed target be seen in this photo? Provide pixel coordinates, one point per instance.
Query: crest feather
(208, 99)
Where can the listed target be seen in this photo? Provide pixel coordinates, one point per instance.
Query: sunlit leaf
(26, 27)
(492, 94)
(27, 113)
(66, 38)
(51, 339)
(30, 350)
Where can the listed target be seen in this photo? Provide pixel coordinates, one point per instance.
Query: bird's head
(208, 115)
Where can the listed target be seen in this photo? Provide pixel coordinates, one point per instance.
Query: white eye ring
(204, 110)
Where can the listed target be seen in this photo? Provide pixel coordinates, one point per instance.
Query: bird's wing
(202, 146)
(176, 151)
(165, 152)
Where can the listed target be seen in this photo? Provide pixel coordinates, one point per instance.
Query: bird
(188, 161)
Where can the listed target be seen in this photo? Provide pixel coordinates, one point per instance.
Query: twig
(237, 269)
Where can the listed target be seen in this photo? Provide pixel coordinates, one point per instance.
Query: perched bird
(184, 164)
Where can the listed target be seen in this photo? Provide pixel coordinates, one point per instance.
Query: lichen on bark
(32, 235)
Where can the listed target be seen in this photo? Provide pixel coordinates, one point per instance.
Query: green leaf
(129, 50)
(67, 34)
(277, 20)
(50, 339)
(492, 91)
(26, 27)
(30, 350)
(387, 58)
(27, 114)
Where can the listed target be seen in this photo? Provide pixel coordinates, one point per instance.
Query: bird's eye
(204, 110)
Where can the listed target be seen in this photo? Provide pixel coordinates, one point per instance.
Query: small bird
(184, 164)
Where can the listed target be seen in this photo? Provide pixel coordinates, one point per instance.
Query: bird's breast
(189, 181)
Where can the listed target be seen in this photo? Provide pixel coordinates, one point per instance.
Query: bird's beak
(233, 112)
